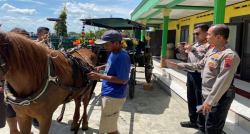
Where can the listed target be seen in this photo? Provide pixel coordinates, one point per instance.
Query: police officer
(196, 52)
(220, 65)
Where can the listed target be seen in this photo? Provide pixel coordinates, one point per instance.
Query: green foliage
(72, 33)
(88, 35)
(101, 32)
(93, 34)
(127, 32)
(61, 26)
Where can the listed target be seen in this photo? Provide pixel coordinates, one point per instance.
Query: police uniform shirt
(219, 67)
(199, 51)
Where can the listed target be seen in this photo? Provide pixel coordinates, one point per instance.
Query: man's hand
(94, 76)
(180, 47)
(188, 47)
(172, 64)
(206, 108)
(98, 68)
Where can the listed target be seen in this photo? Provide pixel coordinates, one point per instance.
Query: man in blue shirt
(115, 81)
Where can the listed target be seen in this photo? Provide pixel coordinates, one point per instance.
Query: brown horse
(27, 65)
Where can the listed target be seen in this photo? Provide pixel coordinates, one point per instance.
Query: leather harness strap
(46, 85)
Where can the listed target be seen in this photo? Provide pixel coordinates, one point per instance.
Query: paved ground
(150, 112)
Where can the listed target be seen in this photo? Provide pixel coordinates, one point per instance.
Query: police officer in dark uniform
(196, 52)
(220, 65)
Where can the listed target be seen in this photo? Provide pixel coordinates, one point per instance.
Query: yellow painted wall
(207, 17)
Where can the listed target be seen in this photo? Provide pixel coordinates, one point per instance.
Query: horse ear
(4, 37)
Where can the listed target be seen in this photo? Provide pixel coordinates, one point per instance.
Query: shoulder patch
(228, 62)
(216, 56)
(200, 49)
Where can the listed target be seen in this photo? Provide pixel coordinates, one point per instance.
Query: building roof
(151, 9)
(115, 23)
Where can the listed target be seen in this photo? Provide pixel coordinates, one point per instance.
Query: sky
(31, 14)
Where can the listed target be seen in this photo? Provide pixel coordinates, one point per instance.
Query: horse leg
(44, 124)
(24, 123)
(85, 115)
(76, 114)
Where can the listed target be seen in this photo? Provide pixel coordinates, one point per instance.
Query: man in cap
(114, 81)
(220, 65)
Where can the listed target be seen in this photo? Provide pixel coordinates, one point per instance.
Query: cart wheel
(148, 69)
(132, 84)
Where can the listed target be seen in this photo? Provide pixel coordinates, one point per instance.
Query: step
(239, 113)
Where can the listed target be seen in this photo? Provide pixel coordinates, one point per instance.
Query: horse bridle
(3, 66)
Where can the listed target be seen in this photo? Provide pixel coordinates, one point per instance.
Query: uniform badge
(211, 70)
(216, 56)
(228, 62)
(219, 53)
(211, 64)
(207, 53)
(205, 44)
(212, 46)
(200, 49)
(221, 49)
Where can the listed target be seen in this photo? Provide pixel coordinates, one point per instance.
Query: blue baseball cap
(110, 35)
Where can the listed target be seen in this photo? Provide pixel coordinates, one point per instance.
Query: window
(184, 33)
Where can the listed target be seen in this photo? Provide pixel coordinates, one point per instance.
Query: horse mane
(24, 55)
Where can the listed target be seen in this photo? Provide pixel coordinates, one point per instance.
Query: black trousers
(194, 97)
(3, 111)
(215, 121)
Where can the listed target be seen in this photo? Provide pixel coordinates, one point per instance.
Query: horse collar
(46, 85)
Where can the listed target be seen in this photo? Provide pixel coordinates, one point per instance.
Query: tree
(127, 32)
(89, 35)
(100, 33)
(72, 33)
(60, 26)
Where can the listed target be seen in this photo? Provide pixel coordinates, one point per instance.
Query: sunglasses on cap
(196, 34)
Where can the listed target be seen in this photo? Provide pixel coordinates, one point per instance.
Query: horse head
(22, 58)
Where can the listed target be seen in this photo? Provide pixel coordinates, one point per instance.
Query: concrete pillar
(219, 11)
(166, 12)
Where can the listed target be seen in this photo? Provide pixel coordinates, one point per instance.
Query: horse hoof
(85, 127)
(73, 128)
